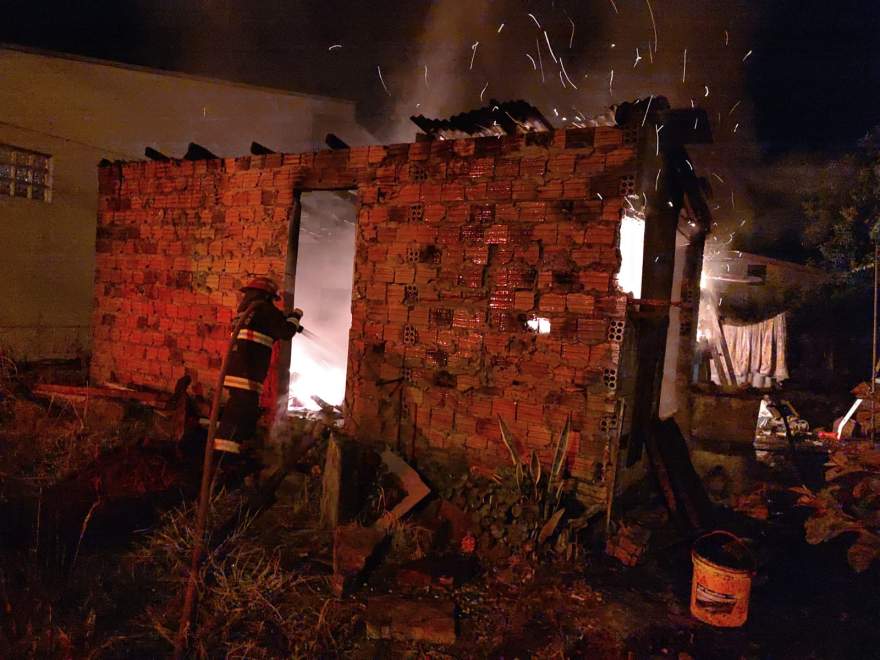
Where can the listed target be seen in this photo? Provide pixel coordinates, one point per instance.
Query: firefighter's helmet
(266, 284)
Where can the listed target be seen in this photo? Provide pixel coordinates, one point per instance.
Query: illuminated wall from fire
(485, 283)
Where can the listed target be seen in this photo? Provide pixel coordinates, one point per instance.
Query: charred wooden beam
(258, 149)
(197, 152)
(154, 154)
(335, 142)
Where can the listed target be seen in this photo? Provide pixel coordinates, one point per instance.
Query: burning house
(527, 274)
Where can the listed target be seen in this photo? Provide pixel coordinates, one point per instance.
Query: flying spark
(426, 75)
(726, 37)
(561, 80)
(483, 91)
(571, 38)
(684, 65)
(532, 60)
(566, 73)
(382, 80)
(532, 16)
(718, 177)
(500, 27)
(335, 46)
(638, 58)
(615, 7)
(747, 56)
(549, 47)
(650, 100)
(735, 127)
(473, 54)
(707, 89)
(653, 23)
(611, 83)
(657, 180)
(734, 107)
(540, 61)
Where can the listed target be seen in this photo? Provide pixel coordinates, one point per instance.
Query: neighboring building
(749, 296)
(754, 284)
(59, 116)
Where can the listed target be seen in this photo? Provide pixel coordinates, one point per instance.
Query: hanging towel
(757, 352)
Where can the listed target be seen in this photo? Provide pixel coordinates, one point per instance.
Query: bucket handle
(737, 540)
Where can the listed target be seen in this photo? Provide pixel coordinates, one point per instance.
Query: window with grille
(25, 173)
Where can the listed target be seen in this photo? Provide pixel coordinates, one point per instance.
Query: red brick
(551, 302)
(579, 303)
(524, 300)
(551, 190)
(499, 190)
(533, 167)
(504, 408)
(529, 413)
(595, 280)
(576, 355)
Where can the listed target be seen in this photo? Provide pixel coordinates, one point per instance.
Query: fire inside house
(519, 275)
(591, 374)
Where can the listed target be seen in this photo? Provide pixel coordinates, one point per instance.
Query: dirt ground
(100, 575)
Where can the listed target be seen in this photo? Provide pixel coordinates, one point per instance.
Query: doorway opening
(324, 272)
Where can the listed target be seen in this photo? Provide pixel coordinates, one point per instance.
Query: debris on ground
(628, 544)
(411, 620)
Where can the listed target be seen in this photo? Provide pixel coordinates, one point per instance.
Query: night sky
(807, 90)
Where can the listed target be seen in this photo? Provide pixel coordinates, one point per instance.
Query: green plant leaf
(550, 526)
(559, 454)
(535, 469)
(828, 524)
(507, 438)
(863, 552)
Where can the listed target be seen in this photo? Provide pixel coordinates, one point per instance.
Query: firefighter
(248, 365)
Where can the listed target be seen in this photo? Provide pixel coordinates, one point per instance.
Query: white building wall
(80, 111)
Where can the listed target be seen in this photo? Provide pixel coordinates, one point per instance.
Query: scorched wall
(459, 244)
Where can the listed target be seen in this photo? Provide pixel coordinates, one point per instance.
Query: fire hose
(186, 614)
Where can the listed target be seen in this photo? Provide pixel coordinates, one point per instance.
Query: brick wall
(458, 244)
(174, 242)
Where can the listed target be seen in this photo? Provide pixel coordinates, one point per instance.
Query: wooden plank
(679, 482)
(288, 296)
(722, 340)
(76, 392)
(614, 461)
(331, 483)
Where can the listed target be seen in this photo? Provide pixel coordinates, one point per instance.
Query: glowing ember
(313, 374)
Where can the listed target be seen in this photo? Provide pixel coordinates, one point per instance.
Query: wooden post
(331, 483)
(718, 330)
(288, 299)
(664, 202)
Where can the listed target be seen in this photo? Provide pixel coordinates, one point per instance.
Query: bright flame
(311, 374)
(539, 325)
(632, 254)
(704, 281)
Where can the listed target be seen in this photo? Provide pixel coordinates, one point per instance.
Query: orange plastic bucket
(722, 580)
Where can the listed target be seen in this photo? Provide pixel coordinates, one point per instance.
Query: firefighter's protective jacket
(252, 350)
